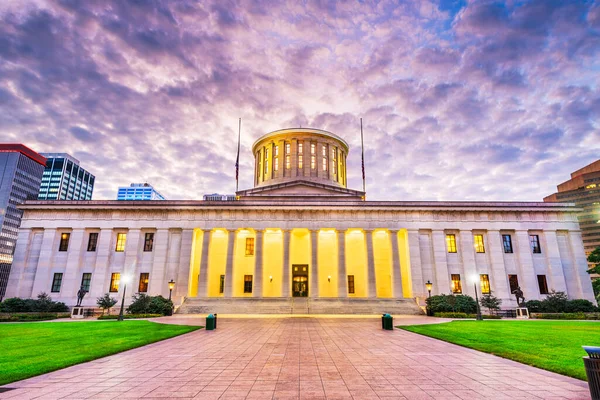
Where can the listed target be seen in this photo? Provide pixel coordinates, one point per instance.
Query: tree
(594, 258)
(106, 302)
(596, 286)
(490, 302)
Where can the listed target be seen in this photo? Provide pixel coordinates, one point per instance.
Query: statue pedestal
(77, 312)
(522, 313)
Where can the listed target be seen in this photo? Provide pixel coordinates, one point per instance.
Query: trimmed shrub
(144, 304)
(566, 316)
(555, 302)
(579, 305)
(534, 306)
(463, 315)
(43, 303)
(130, 316)
(450, 303)
(24, 317)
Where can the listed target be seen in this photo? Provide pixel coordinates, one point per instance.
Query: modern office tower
(64, 179)
(583, 189)
(219, 197)
(139, 191)
(20, 174)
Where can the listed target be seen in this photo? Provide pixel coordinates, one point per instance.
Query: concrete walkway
(299, 358)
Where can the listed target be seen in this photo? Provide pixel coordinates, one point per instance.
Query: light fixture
(329, 278)
(270, 278)
(429, 285)
(171, 284)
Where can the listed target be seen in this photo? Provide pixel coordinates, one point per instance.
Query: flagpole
(237, 160)
(362, 149)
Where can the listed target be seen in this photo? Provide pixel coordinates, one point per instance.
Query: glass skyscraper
(139, 191)
(65, 179)
(20, 175)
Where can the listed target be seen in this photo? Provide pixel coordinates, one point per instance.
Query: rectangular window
(479, 247)
(534, 240)
(86, 280)
(148, 241)
(288, 164)
(121, 239)
(324, 164)
(351, 284)
(287, 148)
(92, 241)
(334, 160)
(222, 284)
(542, 284)
(276, 151)
(64, 241)
(300, 158)
(456, 286)
(300, 148)
(247, 283)
(313, 162)
(115, 279)
(324, 151)
(276, 164)
(144, 279)
(249, 246)
(513, 282)
(56, 282)
(313, 148)
(507, 243)
(451, 243)
(266, 161)
(484, 280)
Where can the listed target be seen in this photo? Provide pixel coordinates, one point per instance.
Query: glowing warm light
(126, 278)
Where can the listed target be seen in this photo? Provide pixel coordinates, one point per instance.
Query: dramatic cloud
(461, 100)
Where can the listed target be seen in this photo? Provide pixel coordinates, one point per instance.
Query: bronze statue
(519, 295)
(80, 295)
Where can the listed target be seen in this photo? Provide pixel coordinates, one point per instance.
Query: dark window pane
(247, 283)
(513, 282)
(222, 284)
(149, 241)
(56, 282)
(86, 279)
(542, 284)
(64, 241)
(92, 241)
(350, 283)
(507, 243)
(534, 240)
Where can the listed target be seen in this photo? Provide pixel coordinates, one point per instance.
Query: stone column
(104, 249)
(132, 246)
(556, 277)
(440, 262)
(294, 157)
(580, 266)
(416, 270)
(396, 274)
(314, 267)
(527, 276)
(203, 278)
(71, 278)
(185, 260)
(285, 282)
(229, 265)
(43, 277)
(159, 262)
(499, 278)
(19, 282)
(467, 251)
(257, 290)
(342, 276)
(371, 264)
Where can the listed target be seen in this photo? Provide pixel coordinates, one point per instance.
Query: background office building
(219, 197)
(21, 172)
(65, 179)
(583, 189)
(139, 191)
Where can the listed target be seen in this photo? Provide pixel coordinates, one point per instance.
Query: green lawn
(31, 349)
(551, 345)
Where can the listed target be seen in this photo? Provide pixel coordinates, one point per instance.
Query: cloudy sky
(460, 100)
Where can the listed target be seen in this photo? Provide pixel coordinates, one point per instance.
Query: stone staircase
(298, 305)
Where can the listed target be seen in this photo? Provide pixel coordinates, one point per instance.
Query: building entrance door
(299, 280)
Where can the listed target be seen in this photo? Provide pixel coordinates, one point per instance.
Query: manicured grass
(31, 349)
(551, 345)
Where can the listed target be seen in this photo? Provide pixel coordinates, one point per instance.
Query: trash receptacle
(215, 320)
(387, 322)
(592, 370)
(210, 322)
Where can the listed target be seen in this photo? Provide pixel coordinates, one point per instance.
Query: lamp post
(125, 279)
(478, 316)
(428, 285)
(171, 287)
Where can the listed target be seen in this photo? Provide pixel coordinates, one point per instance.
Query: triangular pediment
(300, 189)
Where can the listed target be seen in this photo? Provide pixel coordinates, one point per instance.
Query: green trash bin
(210, 322)
(387, 322)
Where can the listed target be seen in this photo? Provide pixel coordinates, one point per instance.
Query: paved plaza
(300, 358)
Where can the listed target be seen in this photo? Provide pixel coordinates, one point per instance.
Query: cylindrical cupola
(300, 154)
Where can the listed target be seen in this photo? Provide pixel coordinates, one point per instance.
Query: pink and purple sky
(460, 100)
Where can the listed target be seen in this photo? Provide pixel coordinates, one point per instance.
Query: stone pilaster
(70, 284)
(372, 279)
(185, 260)
(294, 157)
(229, 265)
(314, 267)
(396, 272)
(285, 280)
(467, 251)
(580, 265)
(527, 276)
(131, 267)
(440, 262)
(342, 276)
(159, 262)
(203, 278)
(20, 281)
(257, 290)
(556, 277)
(100, 278)
(499, 278)
(416, 270)
(43, 277)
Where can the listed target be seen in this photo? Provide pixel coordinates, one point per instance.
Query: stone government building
(299, 241)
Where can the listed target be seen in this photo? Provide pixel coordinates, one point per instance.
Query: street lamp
(171, 287)
(125, 279)
(428, 285)
(478, 316)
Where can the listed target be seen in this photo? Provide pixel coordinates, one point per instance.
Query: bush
(144, 304)
(580, 305)
(24, 317)
(566, 316)
(463, 315)
(555, 302)
(43, 303)
(534, 306)
(130, 316)
(451, 303)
